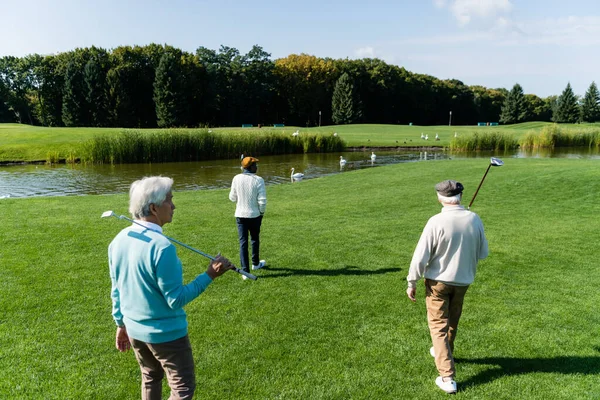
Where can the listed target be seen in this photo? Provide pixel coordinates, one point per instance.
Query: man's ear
(152, 209)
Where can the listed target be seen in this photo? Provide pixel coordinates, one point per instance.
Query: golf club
(107, 214)
(494, 162)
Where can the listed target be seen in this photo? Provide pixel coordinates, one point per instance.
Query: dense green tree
(131, 85)
(74, 106)
(50, 75)
(17, 85)
(168, 92)
(258, 87)
(488, 103)
(513, 109)
(5, 114)
(567, 110)
(96, 91)
(590, 108)
(345, 107)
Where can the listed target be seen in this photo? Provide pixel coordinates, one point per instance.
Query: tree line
(162, 86)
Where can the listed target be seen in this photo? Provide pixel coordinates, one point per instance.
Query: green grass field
(31, 143)
(329, 318)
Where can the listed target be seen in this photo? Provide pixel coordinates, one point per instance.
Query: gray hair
(450, 200)
(146, 191)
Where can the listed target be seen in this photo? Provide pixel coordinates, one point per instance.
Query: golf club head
(107, 214)
(496, 162)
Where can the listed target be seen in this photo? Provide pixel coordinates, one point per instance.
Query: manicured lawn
(328, 319)
(29, 143)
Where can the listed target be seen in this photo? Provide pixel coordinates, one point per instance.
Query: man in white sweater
(248, 191)
(450, 246)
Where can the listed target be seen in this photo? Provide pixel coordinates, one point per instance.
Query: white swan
(437, 137)
(335, 134)
(426, 137)
(296, 176)
(296, 133)
(342, 161)
(422, 136)
(373, 156)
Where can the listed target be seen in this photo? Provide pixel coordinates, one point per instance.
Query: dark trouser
(244, 226)
(175, 358)
(444, 307)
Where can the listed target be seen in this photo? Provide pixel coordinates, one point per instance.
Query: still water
(61, 180)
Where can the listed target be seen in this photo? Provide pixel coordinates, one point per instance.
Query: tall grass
(174, 145)
(484, 141)
(554, 136)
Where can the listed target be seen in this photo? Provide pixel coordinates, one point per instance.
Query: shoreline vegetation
(24, 144)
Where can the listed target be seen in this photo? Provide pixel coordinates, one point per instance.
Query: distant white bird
(335, 134)
(209, 131)
(422, 136)
(426, 137)
(296, 133)
(455, 134)
(437, 137)
(242, 157)
(373, 156)
(342, 161)
(296, 176)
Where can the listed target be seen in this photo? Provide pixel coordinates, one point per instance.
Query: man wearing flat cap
(248, 191)
(450, 246)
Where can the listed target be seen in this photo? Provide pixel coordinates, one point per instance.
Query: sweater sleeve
(233, 192)
(483, 243)
(262, 197)
(114, 294)
(420, 257)
(169, 277)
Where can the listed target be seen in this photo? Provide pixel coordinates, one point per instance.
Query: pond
(61, 180)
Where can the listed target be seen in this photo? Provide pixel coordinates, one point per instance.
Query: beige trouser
(444, 306)
(175, 358)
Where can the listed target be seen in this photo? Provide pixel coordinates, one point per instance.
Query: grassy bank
(28, 143)
(328, 319)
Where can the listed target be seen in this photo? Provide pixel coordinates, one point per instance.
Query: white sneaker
(432, 352)
(447, 386)
(261, 264)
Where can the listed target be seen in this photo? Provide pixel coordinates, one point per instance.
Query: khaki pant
(444, 307)
(175, 358)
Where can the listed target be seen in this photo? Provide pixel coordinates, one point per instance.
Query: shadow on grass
(347, 270)
(508, 366)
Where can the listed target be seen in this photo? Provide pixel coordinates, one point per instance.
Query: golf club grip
(246, 274)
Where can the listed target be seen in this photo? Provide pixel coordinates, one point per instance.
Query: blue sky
(541, 44)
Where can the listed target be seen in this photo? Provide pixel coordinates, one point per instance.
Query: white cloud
(468, 11)
(365, 52)
(568, 31)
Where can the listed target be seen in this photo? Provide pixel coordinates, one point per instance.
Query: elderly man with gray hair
(148, 294)
(447, 254)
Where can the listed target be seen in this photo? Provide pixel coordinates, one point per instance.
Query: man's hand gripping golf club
(107, 214)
